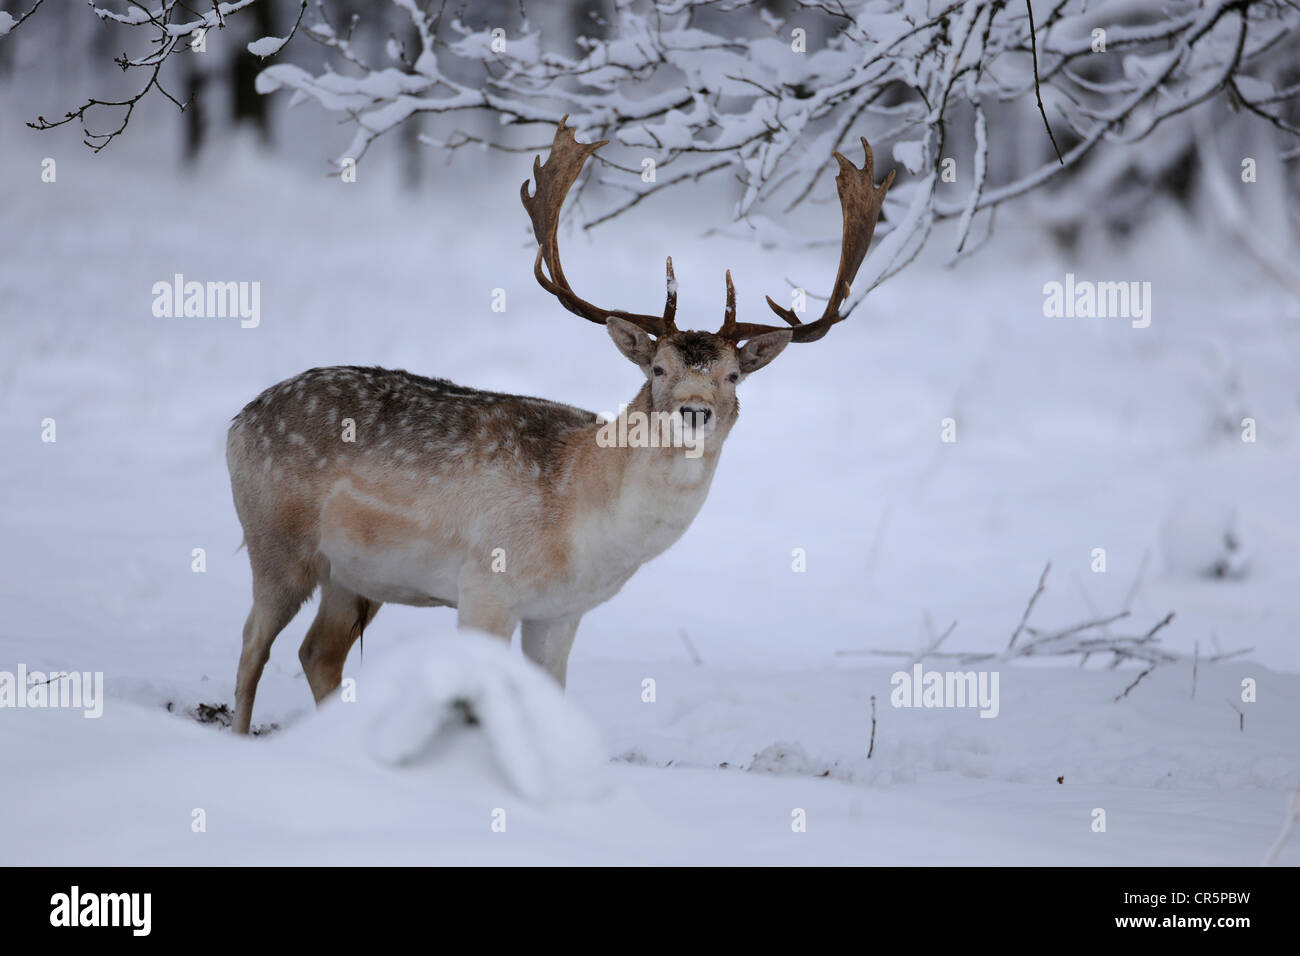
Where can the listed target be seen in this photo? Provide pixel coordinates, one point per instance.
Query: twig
(934, 641)
(686, 639)
(1241, 714)
(1038, 93)
(1042, 579)
(872, 749)
(1137, 681)
(1196, 661)
(17, 23)
(1144, 649)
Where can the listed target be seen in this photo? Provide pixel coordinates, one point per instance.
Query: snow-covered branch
(763, 100)
(734, 92)
(172, 27)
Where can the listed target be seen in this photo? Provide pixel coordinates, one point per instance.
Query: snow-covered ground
(1072, 435)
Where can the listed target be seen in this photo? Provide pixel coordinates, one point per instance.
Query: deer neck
(638, 500)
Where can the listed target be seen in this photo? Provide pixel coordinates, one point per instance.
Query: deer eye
(658, 370)
(733, 377)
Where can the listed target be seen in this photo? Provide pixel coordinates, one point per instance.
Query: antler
(554, 178)
(861, 201)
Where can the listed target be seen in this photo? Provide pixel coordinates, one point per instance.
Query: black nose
(695, 415)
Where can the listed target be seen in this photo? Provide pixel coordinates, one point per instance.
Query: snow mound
(433, 697)
(784, 757)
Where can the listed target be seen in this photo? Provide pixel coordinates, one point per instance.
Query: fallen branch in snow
(1083, 639)
(1136, 681)
(1042, 583)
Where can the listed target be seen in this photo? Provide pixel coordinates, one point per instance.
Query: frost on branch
(172, 27)
(983, 101)
(720, 90)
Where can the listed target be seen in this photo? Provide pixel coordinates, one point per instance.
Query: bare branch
(1038, 92)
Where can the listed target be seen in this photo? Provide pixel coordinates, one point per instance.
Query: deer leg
(485, 613)
(266, 620)
(281, 583)
(341, 618)
(548, 643)
(481, 605)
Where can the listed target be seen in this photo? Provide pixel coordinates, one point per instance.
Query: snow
(911, 154)
(6, 22)
(267, 46)
(542, 743)
(707, 773)
(1072, 434)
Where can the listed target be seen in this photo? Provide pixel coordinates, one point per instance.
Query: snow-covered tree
(982, 101)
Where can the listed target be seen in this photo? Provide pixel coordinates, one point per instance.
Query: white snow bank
(415, 704)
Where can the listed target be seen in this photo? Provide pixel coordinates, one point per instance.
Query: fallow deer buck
(504, 507)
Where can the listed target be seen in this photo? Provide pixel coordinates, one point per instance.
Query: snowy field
(1072, 434)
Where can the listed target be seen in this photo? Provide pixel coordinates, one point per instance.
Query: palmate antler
(861, 201)
(554, 178)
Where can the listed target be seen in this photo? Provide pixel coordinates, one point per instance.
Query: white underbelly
(573, 598)
(394, 577)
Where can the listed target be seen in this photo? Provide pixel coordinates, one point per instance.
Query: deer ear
(761, 349)
(631, 341)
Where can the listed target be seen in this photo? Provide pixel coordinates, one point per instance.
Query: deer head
(695, 373)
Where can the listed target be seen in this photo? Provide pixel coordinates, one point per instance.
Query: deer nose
(696, 415)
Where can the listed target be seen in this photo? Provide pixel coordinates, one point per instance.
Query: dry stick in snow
(872, 748)
(1241, 716)
(686, 639)
(1137, 681)
(1196, 660)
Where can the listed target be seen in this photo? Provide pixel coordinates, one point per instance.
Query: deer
(383, 486)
